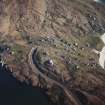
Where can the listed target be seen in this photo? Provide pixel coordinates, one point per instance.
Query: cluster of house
(4, 48)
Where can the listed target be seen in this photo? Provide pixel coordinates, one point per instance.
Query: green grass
(19, 53)
(25, 36)
(94, 41)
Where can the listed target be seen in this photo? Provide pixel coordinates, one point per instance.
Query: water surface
(12, 92)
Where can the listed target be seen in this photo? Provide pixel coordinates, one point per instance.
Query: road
(35, 67)
(101, 53)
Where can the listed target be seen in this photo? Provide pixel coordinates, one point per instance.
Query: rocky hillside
(64, 32)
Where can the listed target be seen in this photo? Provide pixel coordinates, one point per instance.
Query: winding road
(101, 53)
(35, 67)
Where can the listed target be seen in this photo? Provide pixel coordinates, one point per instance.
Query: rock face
(65, 32)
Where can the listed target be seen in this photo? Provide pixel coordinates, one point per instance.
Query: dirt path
(101, 53)
(34, 65)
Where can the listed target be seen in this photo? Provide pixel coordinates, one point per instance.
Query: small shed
(49, 62)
